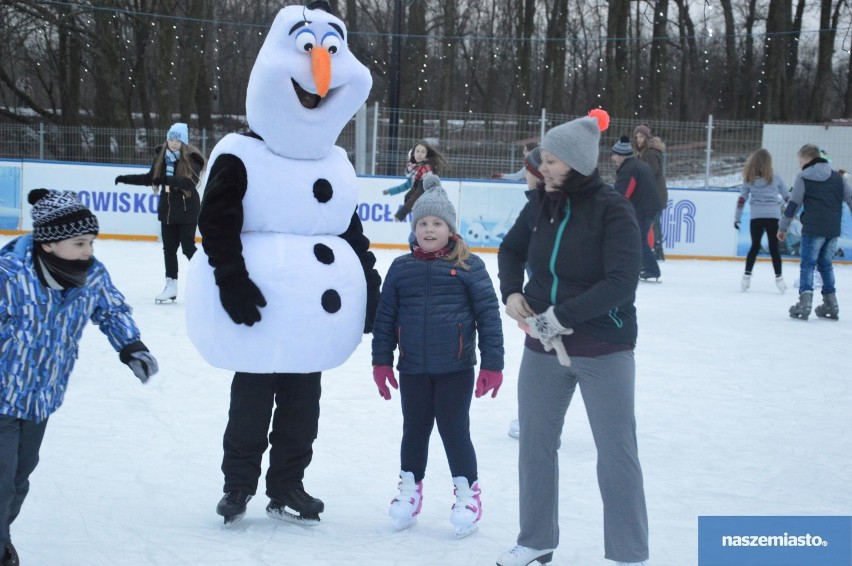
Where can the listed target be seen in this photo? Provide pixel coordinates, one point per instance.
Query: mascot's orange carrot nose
(321, 69)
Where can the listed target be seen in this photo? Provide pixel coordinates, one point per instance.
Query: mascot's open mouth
(308, 99)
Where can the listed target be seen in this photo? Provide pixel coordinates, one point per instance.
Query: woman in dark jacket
(580, 240)
(651, 150)
(176, 170)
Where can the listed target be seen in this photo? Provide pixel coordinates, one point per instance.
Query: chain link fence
(476, 146)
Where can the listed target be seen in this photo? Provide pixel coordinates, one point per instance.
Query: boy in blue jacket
(434, 302)
(50, 285)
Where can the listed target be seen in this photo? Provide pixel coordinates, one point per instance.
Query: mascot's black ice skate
(296, 506)
(232, 506)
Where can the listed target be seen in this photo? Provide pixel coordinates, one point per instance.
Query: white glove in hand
(547, 329)
(545, 326)
(143, 364)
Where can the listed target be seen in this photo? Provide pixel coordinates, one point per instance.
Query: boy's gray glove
(143, 364)
(548, 330)
(139, 360)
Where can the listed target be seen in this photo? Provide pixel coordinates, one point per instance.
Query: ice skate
(522, 555)
(779, 282)
(296, 507)
(649, 277)
(406, 505)
(515, 429)
(467, 510)
(169, 292)
(746, 282)
(828, 309)
(232, 506)
(802, 309)
(9, 556)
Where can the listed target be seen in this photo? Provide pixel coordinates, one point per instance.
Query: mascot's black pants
(295, 397)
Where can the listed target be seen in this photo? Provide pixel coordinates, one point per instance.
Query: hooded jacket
(181, 203)
(584, 258)
(652, 154)
(41, 327)
(822, 192)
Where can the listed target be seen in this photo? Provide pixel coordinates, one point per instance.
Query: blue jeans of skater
(817, 252)
(20, 441)
(443, 398)
(649, 260)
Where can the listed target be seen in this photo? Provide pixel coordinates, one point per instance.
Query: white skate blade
(400, 524)
(462, 532)
(165, 301)
(288, 517)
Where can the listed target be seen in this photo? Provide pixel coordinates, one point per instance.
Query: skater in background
(175, 173)
(535, 182)
(650, 149)
(520, 174)
(52, 280)
(822, 192)
(581, 242)
(422, 159)
(437, 345)
(635, 180)
(764, 191)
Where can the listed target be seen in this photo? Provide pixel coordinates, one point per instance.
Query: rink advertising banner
(775, 541)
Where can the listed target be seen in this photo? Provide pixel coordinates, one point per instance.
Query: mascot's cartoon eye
(331, 41)
(305, 40)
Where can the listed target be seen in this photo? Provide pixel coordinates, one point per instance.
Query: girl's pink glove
(383, 375)
(488, 379)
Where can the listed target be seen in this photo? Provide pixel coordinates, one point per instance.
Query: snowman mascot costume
(286, 286)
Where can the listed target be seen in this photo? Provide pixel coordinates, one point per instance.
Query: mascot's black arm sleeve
(221, 218)
(355, 237)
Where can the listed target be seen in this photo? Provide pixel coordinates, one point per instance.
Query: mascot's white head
(305, 84)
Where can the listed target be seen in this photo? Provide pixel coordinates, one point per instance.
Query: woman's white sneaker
(523, 555)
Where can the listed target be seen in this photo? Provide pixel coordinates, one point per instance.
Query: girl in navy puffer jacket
(434, 302)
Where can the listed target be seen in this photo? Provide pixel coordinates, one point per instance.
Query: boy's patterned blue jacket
(40, 329)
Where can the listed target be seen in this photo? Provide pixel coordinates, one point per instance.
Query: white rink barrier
(697, 223)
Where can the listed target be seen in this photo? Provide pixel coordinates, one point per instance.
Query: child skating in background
(422, 159)
(51, 285)
(764, 191)
(822, 192)
(174, 174)
(434, 302)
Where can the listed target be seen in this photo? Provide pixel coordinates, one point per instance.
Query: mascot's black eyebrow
(306, 22)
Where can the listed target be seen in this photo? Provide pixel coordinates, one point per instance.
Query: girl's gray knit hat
(434, 202)
(577, 143)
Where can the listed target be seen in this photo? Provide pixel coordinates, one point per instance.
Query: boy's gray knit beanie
(576, 143)
(434, 202)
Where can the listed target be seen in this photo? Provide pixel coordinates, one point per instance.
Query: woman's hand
(517, 308)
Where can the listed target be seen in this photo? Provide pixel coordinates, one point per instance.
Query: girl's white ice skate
(406, 506)
(467, 509)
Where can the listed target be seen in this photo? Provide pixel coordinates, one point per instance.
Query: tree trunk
(617, 75)
(731, 94)
(659, 81)
(822, 80)
(553, 82)
(776, 101)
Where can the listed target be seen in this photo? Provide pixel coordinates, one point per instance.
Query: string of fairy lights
(224, 37)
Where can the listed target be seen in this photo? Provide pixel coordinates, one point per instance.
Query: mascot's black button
(322, 190)
(324, 254)
(331, 301)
